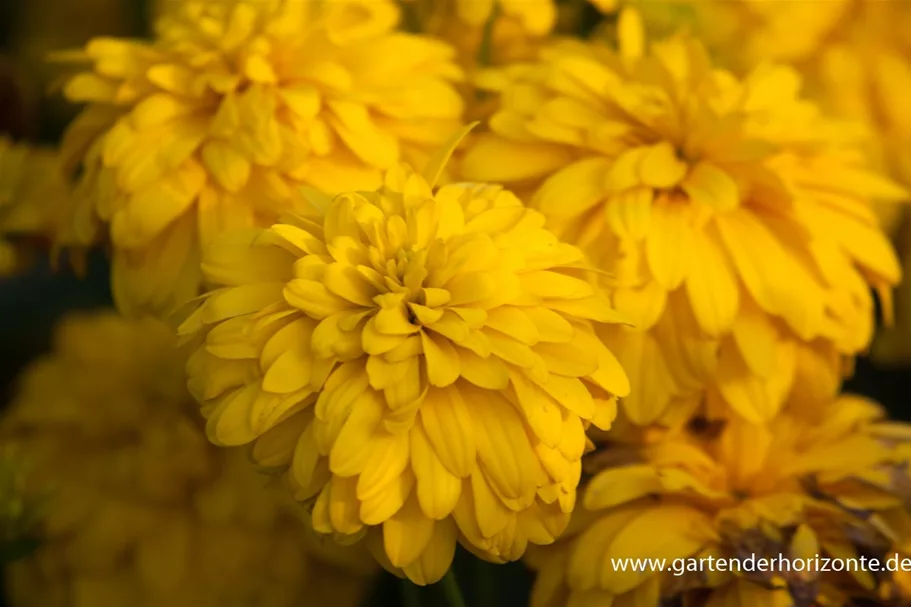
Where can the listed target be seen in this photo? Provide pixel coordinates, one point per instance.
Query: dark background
(31, 303)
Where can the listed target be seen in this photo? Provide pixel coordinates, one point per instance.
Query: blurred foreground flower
(21, 510)
(235, 104)
(34, 199)
(855, 55)
(794, 489)
(422, 363)
(142, 510)
(734, 221)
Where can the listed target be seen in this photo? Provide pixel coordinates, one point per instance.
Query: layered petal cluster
(855, 54)
(422, 363)
(34, 198)
(733, 219)
(236, 103)
(140, 509)
(789, 490)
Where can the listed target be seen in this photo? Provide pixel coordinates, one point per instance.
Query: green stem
(410, 596)
(451, 590)
(485, 52)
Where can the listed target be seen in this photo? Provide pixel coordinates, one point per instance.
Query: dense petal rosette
(422, 363)
(791, 490)
(139, 509)
(855, 55)
(734, 220)
(215, 124)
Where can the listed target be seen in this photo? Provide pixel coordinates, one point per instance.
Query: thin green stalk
(485, 52)
(410, 596)
(451, 590)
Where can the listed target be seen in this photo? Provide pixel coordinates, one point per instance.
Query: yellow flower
(34, 198)
(142, 511)
(855, 54)
(237, 103)
(422, 363)
(794, 489)
(733, 220)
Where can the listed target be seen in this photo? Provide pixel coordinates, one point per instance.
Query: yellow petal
(628, 213)
(314, 299)
(617, 486)
(713, 290)
(660, 167)
(443, 363)
(511, 470)
(389, 454)
(670, 233)
(435, 560)
(711, 186)
(489, 373)
(449, 428)
(491, 159)
(438, 489)
(406, 535)
(229, 168)
(572, 190)
(352, 449)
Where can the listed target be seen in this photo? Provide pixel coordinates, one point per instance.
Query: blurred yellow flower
(34, 198)
(855, 55)
(142, 511)
(421, 362)
(236, 103)
(514, 28)
(21, 509)
(794, 489)
(733, 220)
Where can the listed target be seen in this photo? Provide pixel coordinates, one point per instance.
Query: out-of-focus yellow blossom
(142, 511)
(486, 32)
(21, 510)
(733, 220)
(794, 489)
(511, 29)
(235, 104)
(421, 362)
(855, 54)
(34, 197)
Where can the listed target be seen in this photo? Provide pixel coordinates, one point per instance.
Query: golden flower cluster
(612, 323)
(218, 123)
(734, 220)
(140, 509)
(421, 361)
(789, 489)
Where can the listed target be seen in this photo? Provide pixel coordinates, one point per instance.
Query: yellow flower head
(421, 362)
(141, 510)
(855, 55)
(793, 489)
(34, 197)
(734, 220)
(236, 103)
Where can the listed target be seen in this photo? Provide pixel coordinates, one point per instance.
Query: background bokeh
(30, 304)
